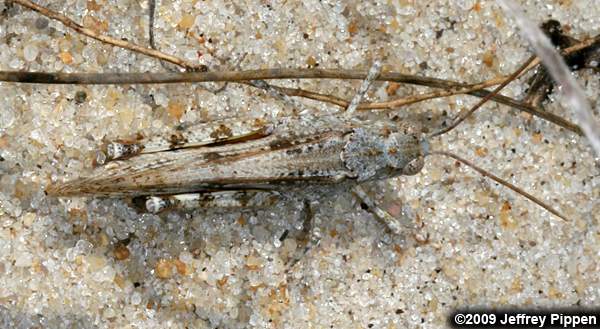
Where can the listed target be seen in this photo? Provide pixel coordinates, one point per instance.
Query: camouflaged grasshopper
(250, 162)
(246, 163)
(235, 155)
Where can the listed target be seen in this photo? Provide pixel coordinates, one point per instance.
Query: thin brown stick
(422, 97)
(297, 92)
(463, 116)
(220, 76)
(107, 39)
(389, 105)
(474, 90)
(501, 181)
(267, 74)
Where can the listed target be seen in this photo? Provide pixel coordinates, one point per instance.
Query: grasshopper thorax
(372, 154)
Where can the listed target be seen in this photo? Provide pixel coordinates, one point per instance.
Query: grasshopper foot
(309, 237)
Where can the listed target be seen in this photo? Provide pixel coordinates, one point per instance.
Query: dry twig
(107, 39)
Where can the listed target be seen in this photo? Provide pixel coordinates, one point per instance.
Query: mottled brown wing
(288, 155)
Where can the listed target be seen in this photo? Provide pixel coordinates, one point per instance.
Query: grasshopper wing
(274, 156)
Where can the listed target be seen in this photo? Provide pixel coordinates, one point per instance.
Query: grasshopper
(253, 161)
(250, 160)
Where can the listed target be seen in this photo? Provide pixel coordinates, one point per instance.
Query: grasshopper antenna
(501, 181)
(462, 116)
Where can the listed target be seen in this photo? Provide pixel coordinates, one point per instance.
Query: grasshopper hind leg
(308, 237)
(206, 200)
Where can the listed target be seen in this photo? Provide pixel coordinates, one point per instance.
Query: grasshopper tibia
(393, 223)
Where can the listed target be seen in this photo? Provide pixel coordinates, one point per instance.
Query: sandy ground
(97, 263)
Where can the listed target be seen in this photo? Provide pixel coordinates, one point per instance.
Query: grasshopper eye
(414, 166)
(404, 153)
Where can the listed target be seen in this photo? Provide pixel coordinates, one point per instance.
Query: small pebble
(7, 118)
(41, 23)
(121, 252)
(186, 257)
(136, 298)
(181, 267)
(164, 269)
(80, 96)
(30, 52)
(23, 259)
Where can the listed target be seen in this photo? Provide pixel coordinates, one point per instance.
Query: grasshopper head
(378, 154)
(405, 153)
